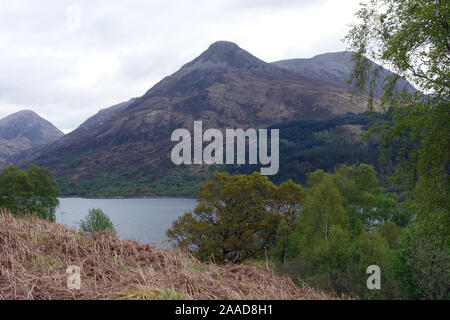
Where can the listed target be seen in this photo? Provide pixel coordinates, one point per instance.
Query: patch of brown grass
(34, 256)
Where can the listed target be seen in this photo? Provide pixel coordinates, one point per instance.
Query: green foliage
(96, 221)
(308, 145)
(334, 243)
(391, 232)
(370, 248)
(179, 182)
(131, 182)
(323, 208)
(409, 35)
(30, 191)
(237, 217)
(287, 200)
(362, 196)
(421, 262)
(170, 294)
(412, 38)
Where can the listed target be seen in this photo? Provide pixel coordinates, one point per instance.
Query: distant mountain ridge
(101, 117)
(335, 68)
(128, 145)
(24, 130)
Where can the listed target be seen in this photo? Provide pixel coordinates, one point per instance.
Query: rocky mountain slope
(226, 87)
(334, 68)
(100, 118)
(24, 130)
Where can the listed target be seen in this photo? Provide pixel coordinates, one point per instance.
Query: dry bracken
(34, 256)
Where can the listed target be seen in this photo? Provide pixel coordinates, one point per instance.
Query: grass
(34, 256)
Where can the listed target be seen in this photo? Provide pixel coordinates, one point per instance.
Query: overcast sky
(68, 59)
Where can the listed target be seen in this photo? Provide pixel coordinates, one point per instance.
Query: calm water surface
(144, 220)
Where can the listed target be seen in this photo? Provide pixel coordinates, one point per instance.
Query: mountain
(125, 150)
(335, 68)
(101, 117)
(96, 120)
(24, 130)
(309, 145)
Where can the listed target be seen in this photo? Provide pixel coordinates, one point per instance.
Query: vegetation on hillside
(305, 146)
(412, 37)
(346, 224)
(308, 145)
(132, 182)
(36, 253)
(325, 236)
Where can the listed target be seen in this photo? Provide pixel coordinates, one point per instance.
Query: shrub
(96, 221)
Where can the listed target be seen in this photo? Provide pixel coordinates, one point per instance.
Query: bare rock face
(24, 130)
(225, 87)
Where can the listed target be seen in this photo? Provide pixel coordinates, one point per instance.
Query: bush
(96, 221)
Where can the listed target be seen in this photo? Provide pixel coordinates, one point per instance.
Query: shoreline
(134, 197)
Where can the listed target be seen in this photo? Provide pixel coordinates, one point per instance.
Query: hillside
(24, 130)
(34, 256)
(335, 68)
(308, 145)
(125, 150)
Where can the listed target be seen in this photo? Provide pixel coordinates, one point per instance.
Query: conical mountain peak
(227, 55)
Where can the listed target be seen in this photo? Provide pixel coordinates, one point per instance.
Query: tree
(370, 248)
(323, 207)
(333, 243)
(236, 218)
(391, 232)
(15, 190)
(288, 198)
(412, 37)
(30, 191)
(323, 230)
(45, 192)
(363, 198)
(97, 221)
(421, 264)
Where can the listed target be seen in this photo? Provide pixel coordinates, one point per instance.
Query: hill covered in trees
(305, 145)
(308, 145)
